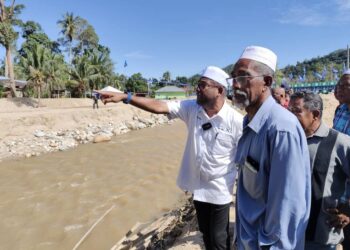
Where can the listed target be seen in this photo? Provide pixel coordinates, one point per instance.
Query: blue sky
(184, 36)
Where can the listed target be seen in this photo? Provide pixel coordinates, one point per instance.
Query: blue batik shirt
(341, 121)
(274, 185)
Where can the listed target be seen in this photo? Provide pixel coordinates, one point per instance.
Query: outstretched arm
(148, 104)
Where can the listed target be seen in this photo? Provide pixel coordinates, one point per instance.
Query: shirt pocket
(222, 144)
(253, 182)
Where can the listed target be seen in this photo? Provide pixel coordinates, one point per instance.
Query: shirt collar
(261, 115)
(322, 131)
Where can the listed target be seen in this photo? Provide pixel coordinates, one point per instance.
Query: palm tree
(70, 26)
(103, 67)
(36, 64)
(8, 36)
(55, 71)
(166, 76)
(82, 74)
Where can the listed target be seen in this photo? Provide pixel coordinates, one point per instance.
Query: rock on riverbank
(61, 124)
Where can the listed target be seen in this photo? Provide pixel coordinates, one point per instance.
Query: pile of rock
(161, 233)
(49, 141)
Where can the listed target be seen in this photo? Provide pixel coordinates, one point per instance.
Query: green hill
(333, 61)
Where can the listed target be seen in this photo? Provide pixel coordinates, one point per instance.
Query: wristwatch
(128, 99)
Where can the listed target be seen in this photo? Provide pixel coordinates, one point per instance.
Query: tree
(86, 38)
(102, 66)
(33, 34)
(35, 65)
(70, 25)
(182, 79)
(82, 74)
(136, 83)
(166, 76)
(8, 36)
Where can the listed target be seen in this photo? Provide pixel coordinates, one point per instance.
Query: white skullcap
(216, 74)
(261, 54)
(346, 72)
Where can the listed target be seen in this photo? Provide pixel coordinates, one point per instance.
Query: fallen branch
(92, 227)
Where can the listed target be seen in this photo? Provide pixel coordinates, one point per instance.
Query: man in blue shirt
(341, 123)
(341, 120)
(274, 183)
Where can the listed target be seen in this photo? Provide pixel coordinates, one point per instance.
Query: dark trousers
(213, 222)
(346, 241)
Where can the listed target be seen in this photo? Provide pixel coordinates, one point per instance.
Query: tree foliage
(136, 83)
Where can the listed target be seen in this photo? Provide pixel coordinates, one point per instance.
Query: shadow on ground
(24, 102)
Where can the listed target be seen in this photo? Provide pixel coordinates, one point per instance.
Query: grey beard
(240, 105)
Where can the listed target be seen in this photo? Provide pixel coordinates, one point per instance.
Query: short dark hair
(312, 101)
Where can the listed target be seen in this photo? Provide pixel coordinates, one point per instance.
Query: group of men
(287, 163)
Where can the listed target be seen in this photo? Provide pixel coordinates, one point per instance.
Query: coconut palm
(70, 26)
(82, 74)
(35, 65)
(103, 67)
(55, 72)
(8, 36)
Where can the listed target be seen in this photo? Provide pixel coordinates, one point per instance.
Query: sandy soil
(20, 117)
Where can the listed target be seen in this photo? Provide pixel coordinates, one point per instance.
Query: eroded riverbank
(51, 201)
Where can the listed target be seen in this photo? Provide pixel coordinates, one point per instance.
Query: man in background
(274, 182)
(341, 123)
(207, 169)
(330, 162)
(279, 94)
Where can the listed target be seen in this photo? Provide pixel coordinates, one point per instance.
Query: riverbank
(61, 124)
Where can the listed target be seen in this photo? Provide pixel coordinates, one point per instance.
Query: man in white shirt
(207, 169)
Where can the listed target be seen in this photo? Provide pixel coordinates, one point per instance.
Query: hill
(326, 68)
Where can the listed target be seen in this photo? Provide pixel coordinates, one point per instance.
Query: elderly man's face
(279, 94)
(343, 89)
(247, 85)
(305, 117)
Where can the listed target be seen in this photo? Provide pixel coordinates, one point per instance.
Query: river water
(51, 201)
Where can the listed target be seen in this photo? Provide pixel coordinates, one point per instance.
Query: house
(170, 92)
(20, 85)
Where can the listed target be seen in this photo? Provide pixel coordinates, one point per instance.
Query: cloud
(343, 4)
(137, 55)
(318, 14)
(303, 16)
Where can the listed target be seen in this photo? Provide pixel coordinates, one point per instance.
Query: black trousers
(346, 241)
(213, 222)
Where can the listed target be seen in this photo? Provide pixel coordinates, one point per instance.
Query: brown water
(51, 201)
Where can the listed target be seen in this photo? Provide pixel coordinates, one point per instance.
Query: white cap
(346, 72)
(216, 74)
(261, 54)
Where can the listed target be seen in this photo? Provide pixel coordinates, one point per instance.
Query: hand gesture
(107, 96)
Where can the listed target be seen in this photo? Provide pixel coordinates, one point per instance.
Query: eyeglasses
(203, 85)
(240, 79)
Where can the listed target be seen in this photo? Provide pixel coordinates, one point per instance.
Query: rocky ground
(55, 126)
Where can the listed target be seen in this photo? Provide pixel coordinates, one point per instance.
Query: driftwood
(160, 234)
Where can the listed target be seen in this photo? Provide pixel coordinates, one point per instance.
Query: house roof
(5, 81)
(170, 89)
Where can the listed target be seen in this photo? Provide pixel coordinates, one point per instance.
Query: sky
(185, 36)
